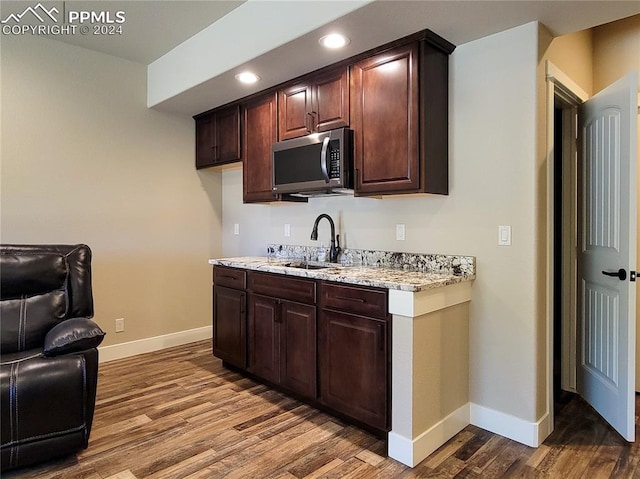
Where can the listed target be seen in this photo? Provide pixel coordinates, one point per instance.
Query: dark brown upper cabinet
(218, 137)
(319, 102)
(399, 114)
(260, 132)
(394, 97)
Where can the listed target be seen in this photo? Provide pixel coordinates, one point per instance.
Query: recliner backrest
(40, 286)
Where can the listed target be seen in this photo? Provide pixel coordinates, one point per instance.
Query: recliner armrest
(71, 336)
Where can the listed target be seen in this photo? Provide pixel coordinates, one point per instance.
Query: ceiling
(153, 28)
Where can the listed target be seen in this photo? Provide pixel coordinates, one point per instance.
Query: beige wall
(493, 182)
(573, 54)
(617, 52)
(84, 160)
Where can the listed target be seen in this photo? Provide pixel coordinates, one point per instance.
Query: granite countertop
(403, 278)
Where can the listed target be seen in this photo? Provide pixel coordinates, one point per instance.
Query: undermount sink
(301, 265)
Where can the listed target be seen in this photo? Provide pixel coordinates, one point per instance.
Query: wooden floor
(179, 414)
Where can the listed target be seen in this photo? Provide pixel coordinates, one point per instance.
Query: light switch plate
(287, 229)
(236, 229)
(504, 235)
(400, 232)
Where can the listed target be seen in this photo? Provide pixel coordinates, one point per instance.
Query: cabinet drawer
(230, 277)
(283, 287)
(354, 299)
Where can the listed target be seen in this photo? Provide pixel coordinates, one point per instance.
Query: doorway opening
(563, 99)
(557, 259)
(565, 224)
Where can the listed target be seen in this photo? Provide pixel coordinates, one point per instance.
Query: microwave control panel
(334, 160)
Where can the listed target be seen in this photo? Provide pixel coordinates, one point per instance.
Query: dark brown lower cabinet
(353, 366)
(328, 343)
(282, 343)
(229, 326)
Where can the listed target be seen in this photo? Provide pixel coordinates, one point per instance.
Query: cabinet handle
(381, 335)
(278, 311)
(355, 300)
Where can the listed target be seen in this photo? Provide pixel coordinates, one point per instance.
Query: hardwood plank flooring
(179, 413)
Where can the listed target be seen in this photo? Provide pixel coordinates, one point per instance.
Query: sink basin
(301, 265)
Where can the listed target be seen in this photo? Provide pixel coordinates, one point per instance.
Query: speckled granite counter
(394, 271)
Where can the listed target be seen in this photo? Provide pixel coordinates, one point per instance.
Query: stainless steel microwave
(316, 164)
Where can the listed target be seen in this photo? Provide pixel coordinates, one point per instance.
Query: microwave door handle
(323, 159)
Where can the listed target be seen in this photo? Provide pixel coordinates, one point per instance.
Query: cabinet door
(227, 138)
(205, 137)
(264, 337)
(331, 100)
(294, 112)
(384, 118)
(298, 348)
(229, 326)
(353, 366)
(260, 132)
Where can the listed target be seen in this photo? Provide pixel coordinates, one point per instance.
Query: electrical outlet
(119, 325)
(400, 232)
(287, 229)
(236, 229)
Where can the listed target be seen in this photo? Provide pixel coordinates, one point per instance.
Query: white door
(607, 253)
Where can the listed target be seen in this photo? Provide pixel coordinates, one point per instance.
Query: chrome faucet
(334, 251)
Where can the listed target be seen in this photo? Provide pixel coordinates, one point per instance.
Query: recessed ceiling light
(334, 40)
(247, 77)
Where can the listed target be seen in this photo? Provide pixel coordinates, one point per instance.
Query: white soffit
(247, 32)
(278, 39)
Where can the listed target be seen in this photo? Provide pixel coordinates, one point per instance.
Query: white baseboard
(412, 451)
(528, 433)
(147, 345)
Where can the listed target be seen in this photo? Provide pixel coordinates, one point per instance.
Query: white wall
(84, 160)
(493, 182)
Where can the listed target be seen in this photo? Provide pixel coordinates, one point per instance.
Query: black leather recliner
(48, 355)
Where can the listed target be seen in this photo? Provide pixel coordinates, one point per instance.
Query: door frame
(559, 86)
